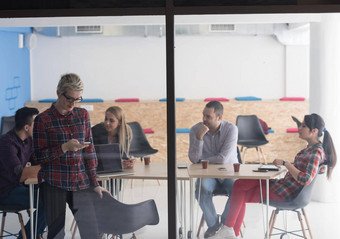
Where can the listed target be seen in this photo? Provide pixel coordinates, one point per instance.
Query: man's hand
(202, 130)
(100, 190)
(73, 145)
(29, 172)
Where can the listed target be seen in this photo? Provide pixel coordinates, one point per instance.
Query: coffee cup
(205, 164)
(236, 167)
(146, 160)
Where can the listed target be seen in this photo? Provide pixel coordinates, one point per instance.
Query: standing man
(214, 140)
(64, 147)
(16, 156)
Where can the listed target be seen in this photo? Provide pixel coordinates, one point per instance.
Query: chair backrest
(139, 145)
(249, 129)
(239, 159)
(301, 200)
(7, 123)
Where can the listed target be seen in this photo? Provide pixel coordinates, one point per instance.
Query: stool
(12, 209)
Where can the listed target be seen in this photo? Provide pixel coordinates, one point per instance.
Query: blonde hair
(124, 130)
(68, 82)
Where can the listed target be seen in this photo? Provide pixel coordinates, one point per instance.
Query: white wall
(206, 66)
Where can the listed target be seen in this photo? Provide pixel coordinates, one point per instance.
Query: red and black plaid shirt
(71, 171)
(308, 162)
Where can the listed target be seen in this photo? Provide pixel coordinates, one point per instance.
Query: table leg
(31, 193)
(185, 209)
(192, 198)
(267, 207)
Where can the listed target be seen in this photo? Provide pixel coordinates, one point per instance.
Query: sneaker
(211, 231)
(225, 233)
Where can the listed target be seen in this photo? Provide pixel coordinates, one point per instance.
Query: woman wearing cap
(308, 162)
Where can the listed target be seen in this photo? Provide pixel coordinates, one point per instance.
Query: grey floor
(323, 217)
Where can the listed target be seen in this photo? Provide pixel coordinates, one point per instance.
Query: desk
(246, 172)
(155, 171)
(158, 171)
(30, 182)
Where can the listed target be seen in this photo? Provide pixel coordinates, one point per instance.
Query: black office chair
(139, 146)
(4, 209)
(7, 123)
(296, 205)
(250, 135)
(117, 218)
(220, 192)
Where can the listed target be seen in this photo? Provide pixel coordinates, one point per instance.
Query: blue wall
(15, 85)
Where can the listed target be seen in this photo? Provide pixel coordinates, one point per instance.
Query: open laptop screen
(109, 158)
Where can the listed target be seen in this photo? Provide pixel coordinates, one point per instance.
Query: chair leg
(73, 223)
(74, 230)
(263, 156)
(3, 224)
(307, 223)
(258, 155)
(244, 155)
(301, 223)
(23, 232)
(200, 226)
(272, 221)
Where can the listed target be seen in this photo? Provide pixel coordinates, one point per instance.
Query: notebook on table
(109, 160)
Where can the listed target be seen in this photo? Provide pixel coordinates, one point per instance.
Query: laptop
(109, 160)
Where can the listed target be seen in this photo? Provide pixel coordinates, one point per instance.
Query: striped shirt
(307, 161)
(71, 171)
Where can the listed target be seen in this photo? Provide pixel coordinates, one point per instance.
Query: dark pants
(20, 196)
(81, 204)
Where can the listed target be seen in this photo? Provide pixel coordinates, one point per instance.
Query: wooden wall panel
(152, 114)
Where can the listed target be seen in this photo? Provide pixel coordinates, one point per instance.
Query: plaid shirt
(71, 171)
(307, 161)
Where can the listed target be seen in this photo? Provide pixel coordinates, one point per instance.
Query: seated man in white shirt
(214, 140)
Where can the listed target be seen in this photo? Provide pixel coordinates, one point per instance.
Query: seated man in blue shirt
(214, 140)
(16, 156)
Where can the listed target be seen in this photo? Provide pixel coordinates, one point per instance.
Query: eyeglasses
(72, 100)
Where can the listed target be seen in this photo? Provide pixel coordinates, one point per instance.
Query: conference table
(154, 171)
(158, 171)
(213, 171)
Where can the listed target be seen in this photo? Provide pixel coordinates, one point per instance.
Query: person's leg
(245, 191)
(227, 185)
(205, 201)
(20, 196)
(84, 212)
(54, 200)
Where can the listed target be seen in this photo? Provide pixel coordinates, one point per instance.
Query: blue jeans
(20, 196)
(208, 186)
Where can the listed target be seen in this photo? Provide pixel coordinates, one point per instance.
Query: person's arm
(228, 152)
(29, 172)
(44, 152)
(304, 178)
(47, 146)
(10, 162)
(91, 162)
(195, 146)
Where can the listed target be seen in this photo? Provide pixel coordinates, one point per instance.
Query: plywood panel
(152, 114)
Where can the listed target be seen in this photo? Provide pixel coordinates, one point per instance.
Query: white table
(246, 172)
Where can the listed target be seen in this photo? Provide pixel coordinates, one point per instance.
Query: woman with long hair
(308, 162)
(114, 129)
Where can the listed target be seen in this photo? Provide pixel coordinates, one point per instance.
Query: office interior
(264, 55)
